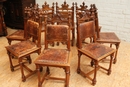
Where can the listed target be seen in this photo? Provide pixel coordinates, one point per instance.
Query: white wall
(114, 15)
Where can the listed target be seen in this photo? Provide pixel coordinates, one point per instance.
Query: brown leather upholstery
(105, 37)
(22, 50)
(18, 36)
(55, 57)
(94, 51)
(84, 14)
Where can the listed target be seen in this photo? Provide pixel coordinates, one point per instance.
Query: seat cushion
(16, 35)
(53, 57)
(108, 37)
(96, 51)
(22, 48)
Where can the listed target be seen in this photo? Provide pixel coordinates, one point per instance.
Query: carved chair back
(64, 11)
(57, 33)
(83, 13)
(38, 14)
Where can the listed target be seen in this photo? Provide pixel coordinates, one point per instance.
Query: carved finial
(83, 6)
(65, 5)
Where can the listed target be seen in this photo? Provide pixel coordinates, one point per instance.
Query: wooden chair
(81, 9)
(19, 34)
(55, 57)
(105, 37)
(47, 10)
(16, 36)
(23, 49)
(58, 19)
(102, 37)
(64, 11)
(94, 51)
(85, 13)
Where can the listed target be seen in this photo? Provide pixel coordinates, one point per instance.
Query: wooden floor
(120, 76)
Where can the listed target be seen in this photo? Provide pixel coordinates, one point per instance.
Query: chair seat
(18, 35)
(22, 48)
(54, 57)
(96, 51)
(108, 37)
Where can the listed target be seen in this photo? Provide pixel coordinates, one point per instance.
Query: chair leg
(11, 63)
(10, 60)
(117, 46)
(110, 65)
(92, 63)
(9, 41)
(39, 77)
(78, 68)
(29, 59)
(67, 71)
(95, 73)
(41, 68)
(48, 70)
(115, 59)
(110, 45)
(22, 71)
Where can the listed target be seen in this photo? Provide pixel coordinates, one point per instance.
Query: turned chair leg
(115, 59)
(9, 41)
(78, 68)
(10, 59)
(95, 73)
(22, 71)
(110, 65)
(67, 71)
(39, 77)
(29, 59)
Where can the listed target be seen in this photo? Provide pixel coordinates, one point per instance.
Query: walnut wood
(105, 37)
(87, 14)
(95, 51)
(23, 49)
(55, 57)
(63, 12)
